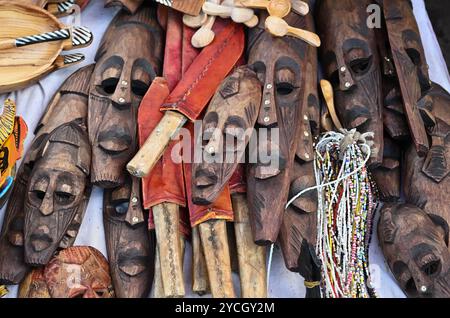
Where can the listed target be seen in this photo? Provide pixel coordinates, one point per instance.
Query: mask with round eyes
(352, 64)
(280, 66)
(227, 128)
(57, 189)
(76, 272)
(128, 60)
(415, 245)
(130, 250)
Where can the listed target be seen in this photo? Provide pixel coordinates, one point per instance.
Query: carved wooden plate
(23, 66)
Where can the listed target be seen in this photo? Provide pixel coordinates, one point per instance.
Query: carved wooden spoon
(238, 15)
(278, 27)
(327, 91)
(195, 21)
(205, 35)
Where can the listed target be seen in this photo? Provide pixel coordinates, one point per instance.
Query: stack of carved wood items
(232, 65)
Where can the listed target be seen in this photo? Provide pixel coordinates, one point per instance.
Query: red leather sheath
(238, 181)
(207, 71)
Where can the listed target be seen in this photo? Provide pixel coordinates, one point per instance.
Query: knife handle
(153, 148)
(7, 44)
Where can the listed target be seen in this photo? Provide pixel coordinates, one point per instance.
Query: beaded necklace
(346, 205)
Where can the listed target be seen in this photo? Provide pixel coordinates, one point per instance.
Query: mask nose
(122, 95)
(346, 81)
(46, 207)
(134, 214)
(213, 145)
(423, 283)
(267, 113)
(90, 293)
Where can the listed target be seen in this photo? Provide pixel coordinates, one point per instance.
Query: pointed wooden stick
(200, 281)
(213, 235)
(166, 218)
(251, 257)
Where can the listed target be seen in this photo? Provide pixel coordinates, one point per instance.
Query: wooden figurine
(130, 250)
(129, 6)
(227, 128)
(409, 59)
(76, 272)
(31, 41)
(278, 65)
(352, 64)
(58, 190)
(68, 105)
(128, 59)
(415, 245)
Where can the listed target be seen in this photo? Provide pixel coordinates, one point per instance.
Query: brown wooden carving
(416, 249)
(128, 59)
(130, 6)
(352, 64)
(76, 272)
(278, 65)
(130, 249)
(68, 105)
(230, 117)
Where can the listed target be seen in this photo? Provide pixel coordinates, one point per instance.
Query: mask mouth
(40, 242)
(132, 261)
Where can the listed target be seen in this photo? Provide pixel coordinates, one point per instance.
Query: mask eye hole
(39, 194)
(334, 79)
(139, 88)
(410, 286)
(109, 85)
(414, 55)
(121, 207)
(432, 268)
(361, 66)
(285, 88)
(64, 197)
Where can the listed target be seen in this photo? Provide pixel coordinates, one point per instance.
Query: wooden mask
(130, 6)
(68, 105)
(352, 64)
(230, 115)
(57, 189)
(76, 272)
(128, 60)
(130, 250)
(278, 63)
(415, 246)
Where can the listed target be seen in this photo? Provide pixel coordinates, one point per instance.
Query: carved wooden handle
(7, 44)
(327, 91)
(278, 27)
(149, 154)
(200, 281)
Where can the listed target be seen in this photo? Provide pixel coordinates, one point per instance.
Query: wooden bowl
(23, 66)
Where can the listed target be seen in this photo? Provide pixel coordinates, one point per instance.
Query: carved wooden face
(127, 62)
(76, 272)
(129, 250)
(232, 111)
(352, 64)
(416, 250)
(56, 191)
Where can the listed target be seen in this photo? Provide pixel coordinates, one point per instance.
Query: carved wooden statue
(227, 128)
(68, 105)
(352, 64)
(76, 272)
(128, 59)
(130, 250)
(278, 65)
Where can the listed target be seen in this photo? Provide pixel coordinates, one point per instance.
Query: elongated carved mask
(232, 112)
(58, 187)
(76, 272)
(127, 62)
(352, 64)
(130, 251)
(415, 245)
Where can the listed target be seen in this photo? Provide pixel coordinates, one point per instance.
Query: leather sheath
(221, 209)
(238, 181)
(207, 71)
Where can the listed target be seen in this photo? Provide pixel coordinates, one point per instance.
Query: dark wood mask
(130, 6)
(415, 246)
(128, 59)
(352, 64)
(130, 248)
(76, 272)
(58, 189)
(279, 64)
(68, 105)
(227, 128)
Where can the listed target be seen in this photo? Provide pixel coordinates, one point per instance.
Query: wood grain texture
(200, 280)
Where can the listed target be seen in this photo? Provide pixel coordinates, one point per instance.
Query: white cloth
(31, 104)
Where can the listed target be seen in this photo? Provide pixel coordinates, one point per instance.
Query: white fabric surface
(31, 103)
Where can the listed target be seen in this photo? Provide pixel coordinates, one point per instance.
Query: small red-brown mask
(76, 272)
(415, 245)
(58, 187)
(230, 115)
(352, 64)
(130, 251)
(127, 62)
